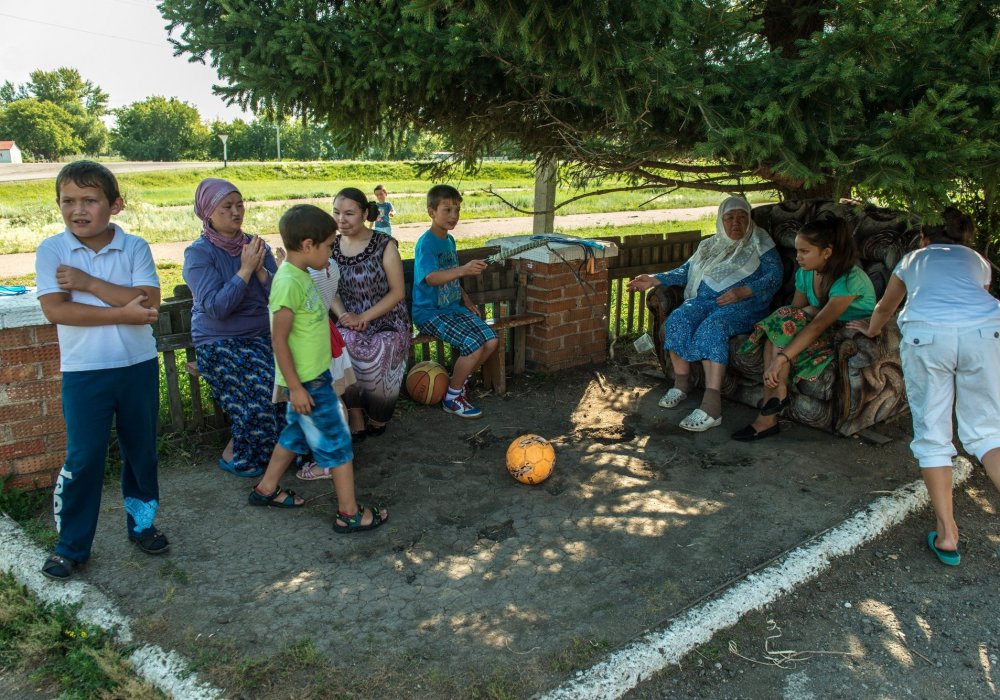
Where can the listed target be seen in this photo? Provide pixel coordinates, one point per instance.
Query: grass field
(159, 205)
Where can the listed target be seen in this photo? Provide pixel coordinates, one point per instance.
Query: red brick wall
(32, 432)
(575, 330)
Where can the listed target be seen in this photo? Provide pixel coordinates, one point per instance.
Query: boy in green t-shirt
(300, 336)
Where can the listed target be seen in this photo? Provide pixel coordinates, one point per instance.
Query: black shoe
(151, 541)
(358, 437)
(774, 406)
(59, 568)
(749, 434)
(375, 430)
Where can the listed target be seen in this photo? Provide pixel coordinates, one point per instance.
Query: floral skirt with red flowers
(783, 325)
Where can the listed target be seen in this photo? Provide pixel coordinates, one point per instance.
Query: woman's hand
(773, 374)
(353, 321)
(863, 325)
(734, 295)
(810, 311)
(642, 283)
(251, 257)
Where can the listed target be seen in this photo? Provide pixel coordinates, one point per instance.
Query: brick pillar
(32, 432)
(573, 300)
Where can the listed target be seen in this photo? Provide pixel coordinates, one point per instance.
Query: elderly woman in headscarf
(728, 285)
(229, 273)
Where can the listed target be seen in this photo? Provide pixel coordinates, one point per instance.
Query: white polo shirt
(126, 261)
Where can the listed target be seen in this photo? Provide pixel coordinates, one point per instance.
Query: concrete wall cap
(545, 254)
(21, 311)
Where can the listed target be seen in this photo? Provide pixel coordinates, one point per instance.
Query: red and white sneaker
(461, 407)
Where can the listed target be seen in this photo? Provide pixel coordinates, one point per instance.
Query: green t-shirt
(855, 283)
(309, 339)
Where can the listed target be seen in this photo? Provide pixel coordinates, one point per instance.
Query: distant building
(9, 152)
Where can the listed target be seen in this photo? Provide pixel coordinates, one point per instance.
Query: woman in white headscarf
(728, 285)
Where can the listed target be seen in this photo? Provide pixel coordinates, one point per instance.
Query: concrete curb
(166, 670)
(627, 667)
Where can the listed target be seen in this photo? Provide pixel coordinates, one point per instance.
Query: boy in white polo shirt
(99, 286)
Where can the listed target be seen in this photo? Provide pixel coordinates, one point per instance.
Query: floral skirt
(780, 328)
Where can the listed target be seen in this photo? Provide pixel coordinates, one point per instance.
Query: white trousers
(952, 367)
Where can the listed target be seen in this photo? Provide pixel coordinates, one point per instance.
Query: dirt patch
(888, 622)
(479, 584)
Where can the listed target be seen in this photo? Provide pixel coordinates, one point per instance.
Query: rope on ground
(782, 658)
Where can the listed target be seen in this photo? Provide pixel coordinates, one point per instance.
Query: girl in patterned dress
(798, 340)
(374, 320)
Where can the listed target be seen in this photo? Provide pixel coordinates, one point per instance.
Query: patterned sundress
(379, 353)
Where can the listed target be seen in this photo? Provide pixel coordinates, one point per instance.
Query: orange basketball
(427, 383)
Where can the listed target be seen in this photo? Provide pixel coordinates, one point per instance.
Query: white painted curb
(624, 669)
(167, 671)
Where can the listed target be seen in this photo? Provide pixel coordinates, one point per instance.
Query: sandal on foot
(358, 437)
(698, 421)
(374, 430)
(249, 472)
(59, 568)
(354, 521)
(258, 499)
(671, 398)
(951, 557)
(312, 472)
(151, 541)
(774, 405)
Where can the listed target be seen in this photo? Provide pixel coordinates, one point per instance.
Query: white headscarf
(722, 262)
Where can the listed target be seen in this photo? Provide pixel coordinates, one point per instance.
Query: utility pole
(277, 131)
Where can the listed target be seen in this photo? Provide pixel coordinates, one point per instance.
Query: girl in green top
(798, 339)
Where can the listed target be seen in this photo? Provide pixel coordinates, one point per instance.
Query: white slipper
(698, 421)
(672, 398)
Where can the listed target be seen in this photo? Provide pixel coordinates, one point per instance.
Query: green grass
(159, 204)
(47, 643)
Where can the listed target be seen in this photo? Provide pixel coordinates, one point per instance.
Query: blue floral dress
(700, 329)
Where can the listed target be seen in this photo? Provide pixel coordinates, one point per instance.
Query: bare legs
(939, 486)
(771, 351)
(467, 364)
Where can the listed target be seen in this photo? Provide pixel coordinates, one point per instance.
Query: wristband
(781, 353)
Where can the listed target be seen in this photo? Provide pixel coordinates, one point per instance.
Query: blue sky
(120, 45)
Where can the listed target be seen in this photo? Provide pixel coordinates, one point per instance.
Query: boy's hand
(473, 267)
(473, 308)
(134, 313)
(279, 255)
(73, 278)
(301, 401)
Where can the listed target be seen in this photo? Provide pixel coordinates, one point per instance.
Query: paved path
(39, 171)
(24, 263)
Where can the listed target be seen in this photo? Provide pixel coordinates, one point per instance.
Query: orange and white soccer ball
(530, 459)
